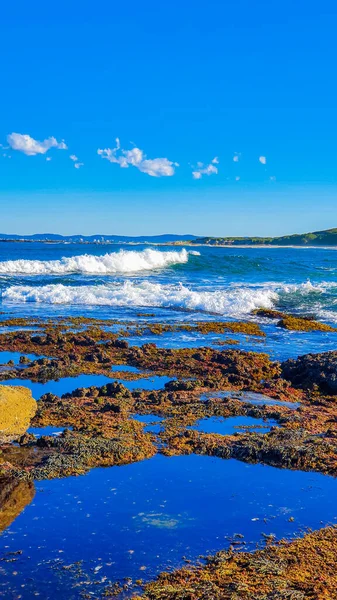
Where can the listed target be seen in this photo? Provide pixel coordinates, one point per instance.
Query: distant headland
(327, 237)
(315, 238)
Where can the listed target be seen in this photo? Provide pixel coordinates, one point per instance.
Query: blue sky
(225, 115)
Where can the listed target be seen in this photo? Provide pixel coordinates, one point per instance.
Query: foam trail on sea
(124, 261)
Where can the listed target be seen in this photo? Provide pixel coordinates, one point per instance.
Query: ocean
(174, 284)
(132, 522)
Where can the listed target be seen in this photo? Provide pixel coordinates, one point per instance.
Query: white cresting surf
(232, 301)
(224, 282)
(124, 261)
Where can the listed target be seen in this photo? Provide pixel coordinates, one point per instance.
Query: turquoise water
(137, 520)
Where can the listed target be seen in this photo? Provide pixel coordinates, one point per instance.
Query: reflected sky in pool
(69, 384)
(251, 398)
(233, 425)
(152, 422)
(151, 514)
(48, 430)
(15, 356)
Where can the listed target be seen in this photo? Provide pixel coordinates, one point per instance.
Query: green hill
(316, 238)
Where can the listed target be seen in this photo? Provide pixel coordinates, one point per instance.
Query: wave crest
(232, 301)
(124, 261)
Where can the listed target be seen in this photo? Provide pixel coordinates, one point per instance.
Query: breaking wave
(231, 301)
(124, 261)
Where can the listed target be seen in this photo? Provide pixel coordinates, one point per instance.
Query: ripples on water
(134, 521)
(137, 520)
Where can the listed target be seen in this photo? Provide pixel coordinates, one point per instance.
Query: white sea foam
(237, 300)
(124, 261)
(231, 301)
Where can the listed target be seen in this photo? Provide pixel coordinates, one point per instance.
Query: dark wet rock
(49, 398)
(313, 370)
(27, 438)
(269, 313)
(120, 344)
(112, 390)
(24, 360)
(177, 386)
(38, 339)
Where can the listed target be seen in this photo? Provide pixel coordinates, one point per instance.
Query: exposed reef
(300, 570)
(313, 371)
(294, 322)
(100, 426)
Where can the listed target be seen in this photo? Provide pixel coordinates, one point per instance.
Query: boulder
(312, 370)
(17, 407)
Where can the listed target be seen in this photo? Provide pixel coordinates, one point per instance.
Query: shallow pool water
(251, 398)
(232, 425)
(69, 384)
(279, 343)
(137, 520)
(12, 328)
(48, 430)
(152, 422)
(125, 368)
(15, 357)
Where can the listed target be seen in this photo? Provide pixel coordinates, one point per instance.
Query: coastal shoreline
(97, 428)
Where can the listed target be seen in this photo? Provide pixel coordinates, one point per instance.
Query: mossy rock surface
(17, 408)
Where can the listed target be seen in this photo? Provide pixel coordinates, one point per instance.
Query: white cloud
(263, 160)
(156, 167)
(237, 178)
(48, 158)
(77, 163)
(26, 144)
(236, 157)
(202, 169)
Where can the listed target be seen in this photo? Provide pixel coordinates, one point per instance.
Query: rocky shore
(99, 428)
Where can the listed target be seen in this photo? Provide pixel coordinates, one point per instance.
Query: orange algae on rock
(300, 324)
(304, 569)
(293, 322)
